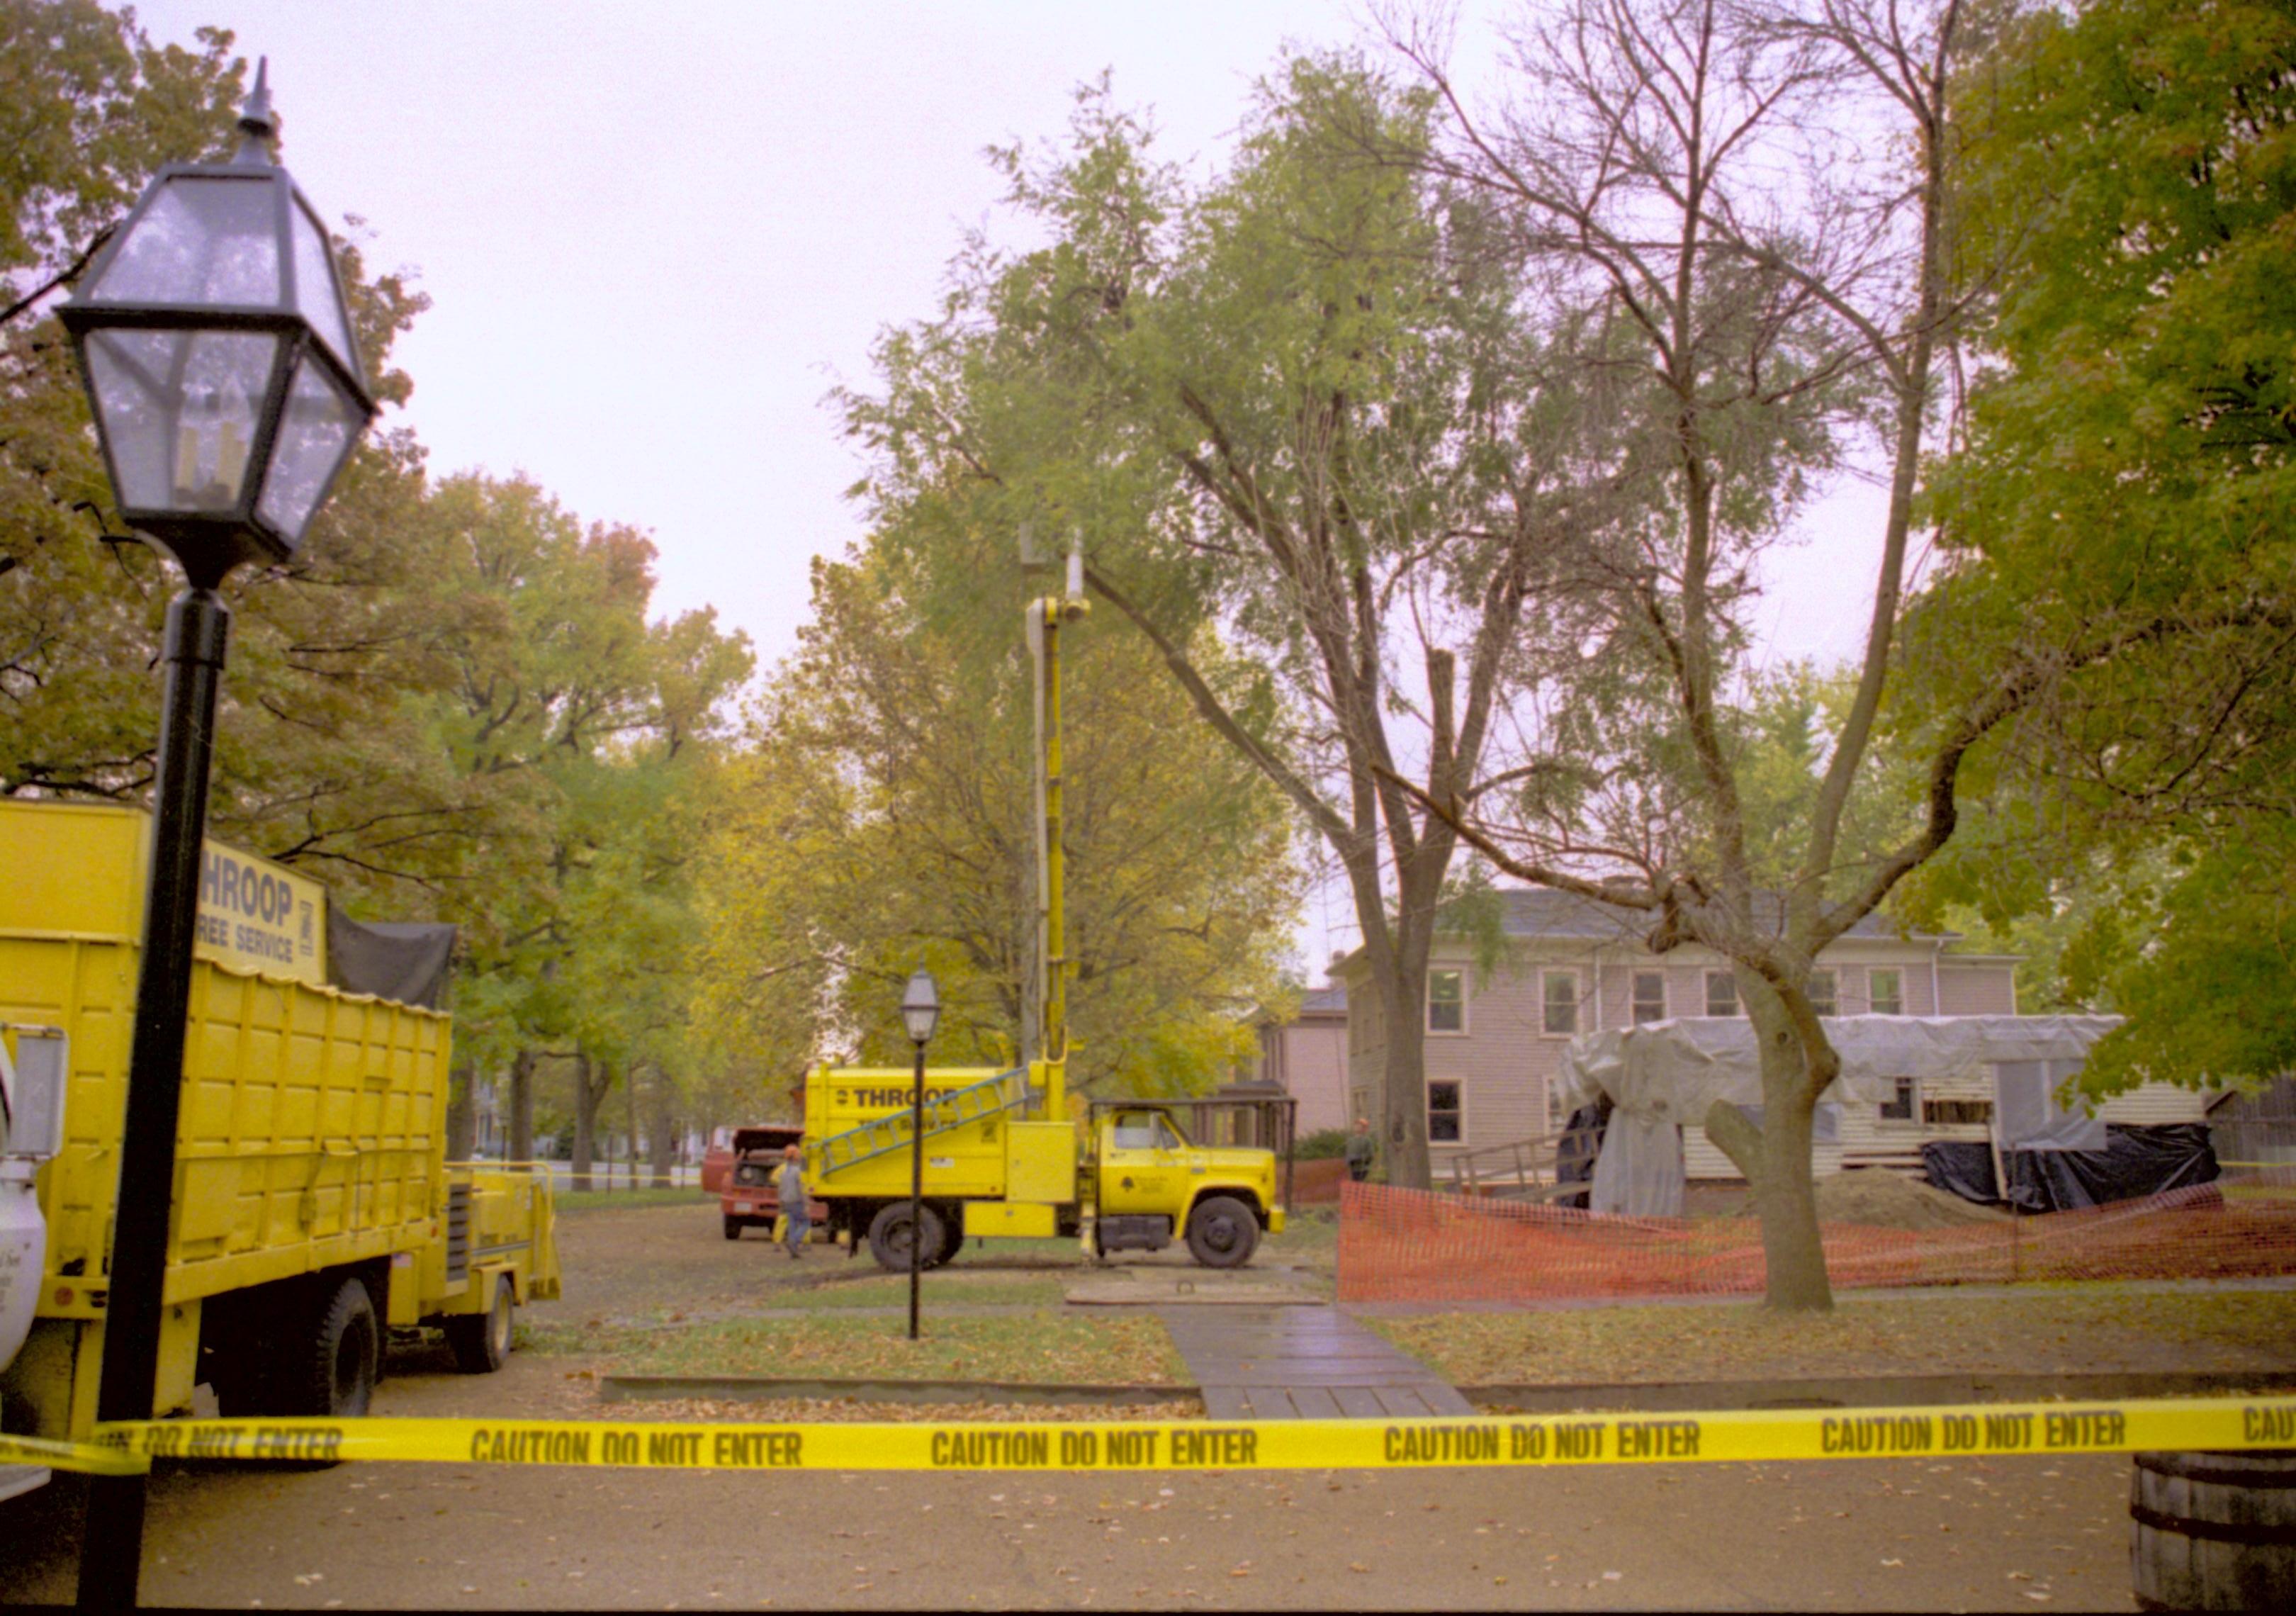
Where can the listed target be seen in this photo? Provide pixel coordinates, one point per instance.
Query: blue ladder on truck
(953, 1110)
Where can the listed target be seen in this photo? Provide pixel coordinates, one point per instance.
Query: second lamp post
(921, 1014)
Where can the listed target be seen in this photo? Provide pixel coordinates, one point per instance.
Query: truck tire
(889, 1235)
(481, 1340)
(1223, 1232)
(331, 1375)
(733, 1228)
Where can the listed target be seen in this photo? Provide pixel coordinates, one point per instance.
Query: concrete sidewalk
(1297, 1363)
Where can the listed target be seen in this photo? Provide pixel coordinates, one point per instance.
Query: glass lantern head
(216, 343)
(921, 1007)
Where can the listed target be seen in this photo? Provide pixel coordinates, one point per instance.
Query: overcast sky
(656, 235)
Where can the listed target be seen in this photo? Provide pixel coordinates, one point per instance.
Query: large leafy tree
(882, 816)
(1778, 276)
(89, 107)
(579, 728)
(321, 757)
(2125, 502)
(450, 703)
(1292, 406)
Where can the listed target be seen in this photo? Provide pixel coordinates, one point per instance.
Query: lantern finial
(257, 127)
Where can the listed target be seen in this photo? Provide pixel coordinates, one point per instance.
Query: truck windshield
(1146, 1130)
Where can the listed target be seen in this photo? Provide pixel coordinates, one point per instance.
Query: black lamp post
(921, 1014)
(214, 340)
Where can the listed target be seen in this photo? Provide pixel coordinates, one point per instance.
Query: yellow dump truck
(1003, 1156)
(314, 1209)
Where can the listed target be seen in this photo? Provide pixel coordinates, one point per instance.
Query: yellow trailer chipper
(313, 1207)
(1008, 1153)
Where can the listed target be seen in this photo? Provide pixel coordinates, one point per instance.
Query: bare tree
(1705, 164)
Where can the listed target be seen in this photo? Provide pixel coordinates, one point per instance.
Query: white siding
(2158, 1103)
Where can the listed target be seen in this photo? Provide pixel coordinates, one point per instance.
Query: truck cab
(1150, 1183)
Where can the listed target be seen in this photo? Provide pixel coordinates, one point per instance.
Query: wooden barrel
(2214, 1531)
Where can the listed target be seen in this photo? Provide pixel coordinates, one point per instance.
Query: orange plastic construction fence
(1424, 1246)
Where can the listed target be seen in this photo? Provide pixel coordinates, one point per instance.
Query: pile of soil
(1879, 1200)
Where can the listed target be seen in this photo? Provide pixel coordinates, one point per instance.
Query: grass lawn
(1035, 1348)
(2049, 1329)
(980, 1288)
(590, 1201)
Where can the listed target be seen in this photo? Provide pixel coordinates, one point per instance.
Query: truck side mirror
(32, 1074)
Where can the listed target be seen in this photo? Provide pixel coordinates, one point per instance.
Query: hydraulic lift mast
(1046, 615)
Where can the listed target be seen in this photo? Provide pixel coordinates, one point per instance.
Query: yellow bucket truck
(1006, 1153)
(314, 1206)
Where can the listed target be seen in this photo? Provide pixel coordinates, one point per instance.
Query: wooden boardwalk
(1303, 1364)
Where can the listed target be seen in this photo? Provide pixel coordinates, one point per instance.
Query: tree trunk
(1404, 1079)
(589, 1095)
(462, 1113)
(1400, 966)
(522, 1106)
(630, 1122)
(1785, 1195)
(660, 1127)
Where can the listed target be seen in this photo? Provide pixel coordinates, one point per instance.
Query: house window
(1956, 1112)
(1446, 1001)
(1650, 996)
(1443, 1115)
(1562, 1002)
(1887, 990)
(1825, 993)
(1721, 993)
(1899, 1106)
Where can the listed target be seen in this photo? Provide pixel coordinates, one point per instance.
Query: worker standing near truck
(796, 1225)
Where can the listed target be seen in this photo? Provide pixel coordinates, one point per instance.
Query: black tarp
(1580, 1143)
(2135, 1161)
(401, 960)
(1963, 1166)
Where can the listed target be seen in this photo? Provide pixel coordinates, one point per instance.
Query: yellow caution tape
(1493, 1441)
(101, 1459)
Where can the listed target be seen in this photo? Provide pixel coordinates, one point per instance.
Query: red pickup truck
(742, 1172)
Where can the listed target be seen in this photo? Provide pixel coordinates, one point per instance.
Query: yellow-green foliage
(881, 817)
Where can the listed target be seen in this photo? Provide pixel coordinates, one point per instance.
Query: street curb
(1875, 1391)
(759, 1389)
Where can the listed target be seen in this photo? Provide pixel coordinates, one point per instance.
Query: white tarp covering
(1665, 1074)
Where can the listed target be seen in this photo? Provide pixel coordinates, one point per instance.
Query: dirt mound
(1879, 1200)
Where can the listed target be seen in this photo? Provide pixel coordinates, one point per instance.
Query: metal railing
(1523, 1169)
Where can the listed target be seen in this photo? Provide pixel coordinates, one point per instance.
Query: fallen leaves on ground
(2048, 1330)
(1037, 1348)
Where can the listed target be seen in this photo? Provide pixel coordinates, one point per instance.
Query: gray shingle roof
(1330, 1000)
(1537, 912)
